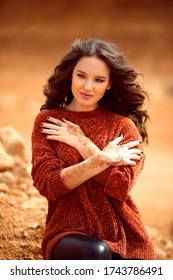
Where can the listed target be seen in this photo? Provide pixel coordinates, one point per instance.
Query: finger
(55, 121)
(49, 131)
(117, 140)
(68, 122)
(136, 151)
(127, 162)
(135, 157)
(132, 144)
(132, 162)
(50, 126)
(53, 137)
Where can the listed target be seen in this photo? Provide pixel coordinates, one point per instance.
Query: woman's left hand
(63, 131)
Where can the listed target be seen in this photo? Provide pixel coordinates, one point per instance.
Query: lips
(86, 95)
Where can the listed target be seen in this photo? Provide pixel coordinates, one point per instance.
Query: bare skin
(71, 134)
(95, 161)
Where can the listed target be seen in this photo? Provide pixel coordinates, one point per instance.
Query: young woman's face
(90, 80)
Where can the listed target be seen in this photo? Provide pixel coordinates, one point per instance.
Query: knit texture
(102, 206)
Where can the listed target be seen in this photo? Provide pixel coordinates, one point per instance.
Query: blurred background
(34, 35)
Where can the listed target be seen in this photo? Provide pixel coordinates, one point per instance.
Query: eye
(99, 80)
(80, 75)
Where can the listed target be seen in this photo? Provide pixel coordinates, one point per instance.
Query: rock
(6, 161)
(154, 234)
(36, 249)
(169, 248)
(7, 177)
(19, 233)
(33, 225)
(30, 204)
(3, 188)
(160, 253)
(13, 144)
(2, 196)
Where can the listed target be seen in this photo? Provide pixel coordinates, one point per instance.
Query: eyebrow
(100, 77)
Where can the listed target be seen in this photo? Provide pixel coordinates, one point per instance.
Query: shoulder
(42, 115)
(126, 122)
(128, 128)
(123, 125)
(119, 119)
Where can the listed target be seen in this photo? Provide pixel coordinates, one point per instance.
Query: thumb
(118, 139)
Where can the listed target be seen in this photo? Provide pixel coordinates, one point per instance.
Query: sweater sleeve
(119, 180)
(46, 166)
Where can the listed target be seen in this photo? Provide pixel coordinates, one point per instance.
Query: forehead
(93, 65)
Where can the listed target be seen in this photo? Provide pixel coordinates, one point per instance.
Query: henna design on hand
(75, 130)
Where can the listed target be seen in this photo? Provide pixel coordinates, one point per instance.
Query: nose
(88, 86)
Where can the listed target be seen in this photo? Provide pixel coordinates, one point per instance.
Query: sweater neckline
(92, 113)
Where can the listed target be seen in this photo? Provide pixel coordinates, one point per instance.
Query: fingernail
(48, 117)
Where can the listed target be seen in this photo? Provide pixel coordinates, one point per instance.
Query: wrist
(86, 147)
(81, 142)
(103, 158)
(109, 161)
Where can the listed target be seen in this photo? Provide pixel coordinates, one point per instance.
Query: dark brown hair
(125, 97)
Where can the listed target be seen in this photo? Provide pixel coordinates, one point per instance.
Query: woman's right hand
(69, 133)
(122, 154)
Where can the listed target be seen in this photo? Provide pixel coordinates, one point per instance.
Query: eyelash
(80, 75)
(100, 80)
(97, 80)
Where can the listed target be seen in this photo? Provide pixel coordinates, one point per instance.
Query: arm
(46, 166)
(49, 173)
(71, 134)
(77, 174)
(96, 161)
(92, 167)
(113, 155)
(121, 179)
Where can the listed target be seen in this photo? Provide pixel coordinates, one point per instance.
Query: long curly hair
(125, 97)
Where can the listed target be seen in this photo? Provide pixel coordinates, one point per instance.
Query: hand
(63, 131)
(125, 154)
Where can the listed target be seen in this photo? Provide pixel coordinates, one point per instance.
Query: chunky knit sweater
(102, 206)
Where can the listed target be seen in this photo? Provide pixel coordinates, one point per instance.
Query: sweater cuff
(59, 187)
(103, 176)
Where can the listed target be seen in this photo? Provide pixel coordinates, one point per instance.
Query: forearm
(77, 174)
(86, 147)
(113, 154)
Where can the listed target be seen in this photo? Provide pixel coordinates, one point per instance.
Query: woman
(87, 154)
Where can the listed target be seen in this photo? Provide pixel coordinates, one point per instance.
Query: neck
(77, 108)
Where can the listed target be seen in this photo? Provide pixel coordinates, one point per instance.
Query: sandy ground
(30, 50)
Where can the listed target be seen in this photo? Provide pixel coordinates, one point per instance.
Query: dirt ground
(32, 39)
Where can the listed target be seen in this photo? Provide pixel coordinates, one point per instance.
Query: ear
(109, 85)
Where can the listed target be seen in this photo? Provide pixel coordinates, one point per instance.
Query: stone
(13, 144)
(6, 161)
(3, 188)
(160, 253)
(7, 177)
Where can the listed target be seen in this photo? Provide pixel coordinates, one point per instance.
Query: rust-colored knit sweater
(101, 206)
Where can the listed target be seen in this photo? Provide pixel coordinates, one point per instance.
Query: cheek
(102, 90)
(76, 83)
